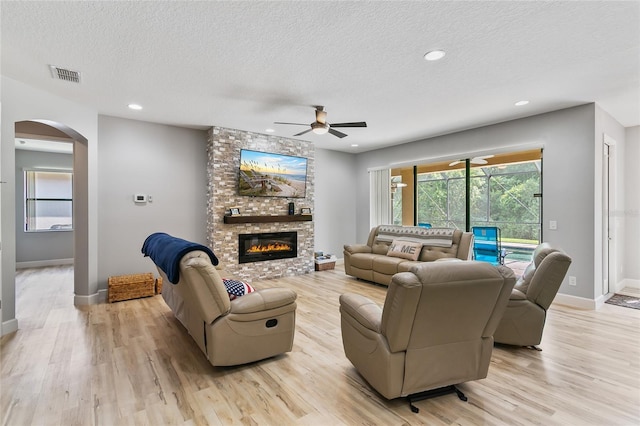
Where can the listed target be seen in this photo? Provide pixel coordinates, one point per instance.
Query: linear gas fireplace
(267, 246)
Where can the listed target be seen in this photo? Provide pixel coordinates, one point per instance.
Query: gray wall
(335, 203)
(39, 246)
(568, 137)
(22, 102)
(168, 163)
(568, 177)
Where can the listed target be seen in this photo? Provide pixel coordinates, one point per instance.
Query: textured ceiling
(245, 65)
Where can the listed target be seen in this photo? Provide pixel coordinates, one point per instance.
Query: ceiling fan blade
(295, 124)
(302, 133)
(337, 133)
(479, 161)
(321, 116)
(454, 163)
(356, 124)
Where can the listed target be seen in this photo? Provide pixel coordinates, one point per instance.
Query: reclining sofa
(258, 325)
(391, 249)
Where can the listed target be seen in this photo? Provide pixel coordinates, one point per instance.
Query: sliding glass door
(503, 190)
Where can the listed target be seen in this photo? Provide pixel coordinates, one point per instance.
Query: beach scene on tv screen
(264, 174)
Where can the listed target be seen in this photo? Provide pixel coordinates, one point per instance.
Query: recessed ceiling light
(355, 145)
(521, 103)
(434, 55)
(269, 130)
(135, 106)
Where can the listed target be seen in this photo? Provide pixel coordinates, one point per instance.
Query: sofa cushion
(380, 248)
(405, 249)
(363, 260)
(429, 254)
(387, 265)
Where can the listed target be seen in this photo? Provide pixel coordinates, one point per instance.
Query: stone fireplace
(223, 153)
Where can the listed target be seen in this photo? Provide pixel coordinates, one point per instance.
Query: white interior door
(606, 217)
(609, 261)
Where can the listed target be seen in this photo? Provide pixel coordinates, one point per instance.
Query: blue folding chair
(487, 246)
(424, 224)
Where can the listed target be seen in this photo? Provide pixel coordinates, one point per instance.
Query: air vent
(64, 74)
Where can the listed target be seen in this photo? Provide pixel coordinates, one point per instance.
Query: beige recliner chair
(252, 327)
(434, 331)
(524, 318)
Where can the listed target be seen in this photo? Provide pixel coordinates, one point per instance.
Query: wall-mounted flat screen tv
(264, 174)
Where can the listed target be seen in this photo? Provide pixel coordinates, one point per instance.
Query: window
(48, 200)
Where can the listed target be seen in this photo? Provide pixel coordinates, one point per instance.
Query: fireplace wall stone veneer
(223, 153)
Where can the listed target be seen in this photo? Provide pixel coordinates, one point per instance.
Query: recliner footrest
(432, 393)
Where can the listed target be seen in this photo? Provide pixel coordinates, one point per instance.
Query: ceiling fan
(321, 126)
(475, 160)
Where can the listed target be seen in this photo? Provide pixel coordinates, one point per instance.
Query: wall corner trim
(92, 299)
(9, 327)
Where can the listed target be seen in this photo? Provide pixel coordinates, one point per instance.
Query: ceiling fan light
(319, 128)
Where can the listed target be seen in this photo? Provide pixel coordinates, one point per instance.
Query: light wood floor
(132, 363)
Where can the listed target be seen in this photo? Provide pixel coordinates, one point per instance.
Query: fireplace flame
(260, 248)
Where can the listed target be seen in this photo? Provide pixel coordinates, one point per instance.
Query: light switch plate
(553, 224)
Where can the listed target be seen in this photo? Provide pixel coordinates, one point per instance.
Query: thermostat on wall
(139, 198)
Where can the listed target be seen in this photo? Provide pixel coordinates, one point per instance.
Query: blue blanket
(166, 252)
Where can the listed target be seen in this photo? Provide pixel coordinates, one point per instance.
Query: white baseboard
(577, 302)
(102, 296)
(627, 282)
(43, 263)
(92, 299)
(9, 327)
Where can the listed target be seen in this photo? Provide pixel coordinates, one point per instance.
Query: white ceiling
(245, 65)
(28, 144)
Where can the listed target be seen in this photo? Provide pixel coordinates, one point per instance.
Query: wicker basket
(325, 266)
(159, 285)
(126, 287)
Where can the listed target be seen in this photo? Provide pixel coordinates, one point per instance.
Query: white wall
(166, 162)
(631, 252)
(568, 177)
(335, 202)
(34, 247)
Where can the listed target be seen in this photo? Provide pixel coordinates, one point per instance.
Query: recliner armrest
(263, 300)
(357, 248)
(362, 309)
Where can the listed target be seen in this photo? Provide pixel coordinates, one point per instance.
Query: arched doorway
(53, 130)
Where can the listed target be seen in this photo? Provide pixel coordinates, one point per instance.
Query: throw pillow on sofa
(405, 249)
(237, 288)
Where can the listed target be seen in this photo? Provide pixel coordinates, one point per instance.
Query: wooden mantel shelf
(268, 219)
